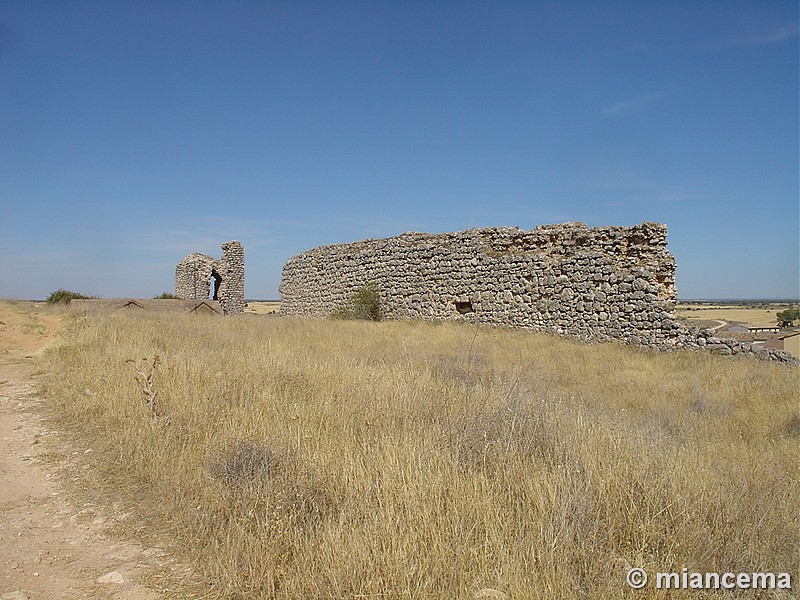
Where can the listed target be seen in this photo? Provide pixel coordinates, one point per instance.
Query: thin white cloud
(633, 104)
(205, 233)
(97, 175)
(787, 31)
(634, 188)
(781, 33)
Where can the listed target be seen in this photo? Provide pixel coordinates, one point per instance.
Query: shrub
(786, 318)
(166, 296)
(364, 304)
(64, 296)
(245, 463)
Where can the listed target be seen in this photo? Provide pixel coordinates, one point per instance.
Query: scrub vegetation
(354, 459)
(364, 305)
(62, 296)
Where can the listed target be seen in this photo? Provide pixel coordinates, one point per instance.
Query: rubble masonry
(599, 283)
(196, 272)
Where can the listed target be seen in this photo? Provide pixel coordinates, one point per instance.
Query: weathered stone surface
(600, 283)
(193, 277)
(550, 278)
(194, 274)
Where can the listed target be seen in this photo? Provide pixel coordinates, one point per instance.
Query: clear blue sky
(133, 133)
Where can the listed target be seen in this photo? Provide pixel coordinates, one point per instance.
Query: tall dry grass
(336, 459)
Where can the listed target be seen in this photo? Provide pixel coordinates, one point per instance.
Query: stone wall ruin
(599, 283)
(196, 273)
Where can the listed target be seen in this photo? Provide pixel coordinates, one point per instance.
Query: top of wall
(563, 238)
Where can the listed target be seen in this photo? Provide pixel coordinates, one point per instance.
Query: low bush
(364, 305)
(62, 296)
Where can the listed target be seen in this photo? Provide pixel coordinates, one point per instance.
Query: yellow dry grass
(266, 307)
(753, 315)
(337, 459)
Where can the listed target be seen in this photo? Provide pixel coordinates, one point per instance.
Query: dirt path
(49, 547)
(720, 325)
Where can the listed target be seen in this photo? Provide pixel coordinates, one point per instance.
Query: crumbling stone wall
(193, 277)
(196, 272)
(600, 283)
(231, 271)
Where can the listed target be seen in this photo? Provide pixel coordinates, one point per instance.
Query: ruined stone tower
(195, 274)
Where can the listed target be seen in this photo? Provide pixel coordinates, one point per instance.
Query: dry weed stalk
(145, 381)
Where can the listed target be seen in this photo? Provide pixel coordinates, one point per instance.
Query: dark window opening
(217, 283)
(464, 307)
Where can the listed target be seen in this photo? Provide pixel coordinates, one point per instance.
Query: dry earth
(51, 547)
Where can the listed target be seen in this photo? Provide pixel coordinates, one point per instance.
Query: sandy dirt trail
(49, 546)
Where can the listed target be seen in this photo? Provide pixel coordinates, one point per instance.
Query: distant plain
(756, 314)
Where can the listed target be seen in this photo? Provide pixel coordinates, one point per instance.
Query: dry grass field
(745, 314)
(265, 307)
(341, 459)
